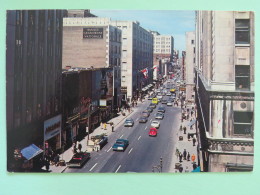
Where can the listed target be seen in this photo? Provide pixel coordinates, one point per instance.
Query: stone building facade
(225, 89)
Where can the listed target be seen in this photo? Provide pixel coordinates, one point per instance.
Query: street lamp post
(88, 119)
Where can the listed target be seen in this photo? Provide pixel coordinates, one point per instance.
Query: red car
(153, 132)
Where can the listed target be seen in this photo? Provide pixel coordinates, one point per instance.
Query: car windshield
(129, 120)
(155, 122)
(119, 142)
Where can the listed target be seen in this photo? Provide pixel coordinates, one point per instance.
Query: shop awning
(31, 151)
(192, 122)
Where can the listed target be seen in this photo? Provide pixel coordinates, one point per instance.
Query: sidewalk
(184, 144)
(67, 155)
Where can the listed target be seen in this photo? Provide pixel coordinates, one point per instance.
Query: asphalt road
(144, 152)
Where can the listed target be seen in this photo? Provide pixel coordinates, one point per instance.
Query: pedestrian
(177, 153)
(112, 127)
(181, 128)
(135, 103)
(184, 129)
(188, 156)
(101, 125)
(80, 147)
(105, 126)
(193, 158)
(47, 165)
(180, 169)
(194, 140)
(191, 113)
(184, 154)
(180, 157)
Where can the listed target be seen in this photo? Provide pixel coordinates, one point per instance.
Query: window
(242, 34)
(192, 42)
(243, 123)
(242, 77)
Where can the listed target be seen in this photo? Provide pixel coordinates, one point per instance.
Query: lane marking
(146, 127)
(109, 149)
(93, 167)
(118, 168)
(136, 119)
(121, 136)
(130, 151)
(139, 137)
(151, 119)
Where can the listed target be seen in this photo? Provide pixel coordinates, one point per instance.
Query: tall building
(225, 89)
(190, 65)
(163, 52)
(33, 75)
(93, 43)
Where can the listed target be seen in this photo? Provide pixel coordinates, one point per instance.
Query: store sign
(92, 33)
(52, 127)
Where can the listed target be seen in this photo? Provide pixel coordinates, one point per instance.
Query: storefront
(52, 134)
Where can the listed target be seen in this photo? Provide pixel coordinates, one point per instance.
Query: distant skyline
(166, 22)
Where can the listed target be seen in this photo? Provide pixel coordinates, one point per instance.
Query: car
(155, 124)
(143, 119)
(145, 114)
(120, 145)
(78, 160)
(153, 132)
(159, 115)
(164, 101)
(159, 96)
(168, 94)
(150, 97)
(100, 140)
(152, 105)
(161, 109)
(169, 103)
(129, 122)
(149, 109)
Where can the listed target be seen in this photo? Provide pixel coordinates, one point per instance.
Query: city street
(143, 151)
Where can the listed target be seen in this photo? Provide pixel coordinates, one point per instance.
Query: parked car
(78, 160)
(143, 119)
(101, 140)
(169, 103)
(129, 122)
(161, 109)
(159, 115)
(155, 124)
(145, 114)
(150, 97)
(153, 132)
(152, 105)
(168, 94)
(120, 145)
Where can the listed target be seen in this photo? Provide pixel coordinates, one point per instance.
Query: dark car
(149, 109)
(152, 105)
(78, 159)
(146, 113)
(143, 119)
(159, 115)
(120, 145)
(161, 109)
(164, 101)
(129, 122)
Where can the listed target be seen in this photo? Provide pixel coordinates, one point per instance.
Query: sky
(166, 22)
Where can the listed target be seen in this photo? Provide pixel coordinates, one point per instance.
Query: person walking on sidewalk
(193, 158)
(112, 127)
(184, 154)
(184, 129)
(194, 140)
(101, 125)
(188, 156)
(79, 147)
(180, 157)
(177, 153)
(105, 126)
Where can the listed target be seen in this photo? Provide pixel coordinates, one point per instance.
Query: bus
(155, 100)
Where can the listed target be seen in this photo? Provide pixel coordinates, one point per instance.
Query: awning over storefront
(31, 151)
(192, 122)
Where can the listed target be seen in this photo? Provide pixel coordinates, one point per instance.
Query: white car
(168, 94)
(169, 103)
(155, 124)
